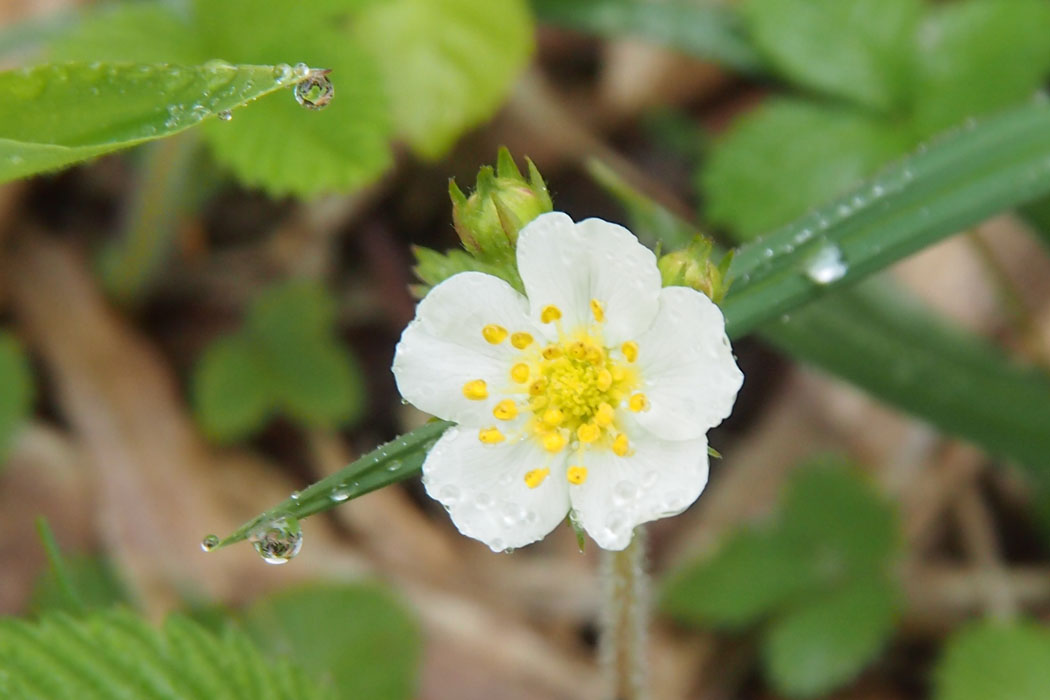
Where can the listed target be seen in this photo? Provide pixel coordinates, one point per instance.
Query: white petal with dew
(483, 487)
(443, 348)
(568, 265)
(687, 366)
(659, 479)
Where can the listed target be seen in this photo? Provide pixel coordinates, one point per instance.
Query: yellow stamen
(520, 373)
(521, 340)
(638, 402)
(577, 475)
(553, 442)
(597, 310)
(538, 386)
(491, 436)
(605, 380)
(494, 334)
(621, 446)
(605, 415)
(553, 417)
(595, 355)
(536, 477)
(630, 350)
(551, 352)
(588, 432)
(476, 390)
(506, 410)
(550, 313)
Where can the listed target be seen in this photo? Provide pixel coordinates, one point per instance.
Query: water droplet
(650, 479)
(497, 545)
(624, 492)
(512, 514)
(448, 494)
(294, 496)
(394, 465)
(827, 265)
(277, 540)
(282, 72)
(340, 494)
(615, 522)
(483, 501)
(209, 542)
(225, 115)
(315, 91)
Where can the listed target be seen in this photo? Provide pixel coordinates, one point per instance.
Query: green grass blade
(54, 115)
(960, 180)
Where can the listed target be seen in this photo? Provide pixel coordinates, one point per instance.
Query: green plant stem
(626, 617)
(58, 565)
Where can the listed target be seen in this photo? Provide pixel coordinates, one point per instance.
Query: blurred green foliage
(16, 390)
(356, 640)
(93, 579)
(890, 74)
(816, 578)
(994, 659)
(286, 359)
(422, 71)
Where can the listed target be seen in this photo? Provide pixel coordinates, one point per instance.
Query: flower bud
(692, 267)
(502, 203)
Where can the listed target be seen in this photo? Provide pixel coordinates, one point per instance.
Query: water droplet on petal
(225, 115)
(827, 265)
(624, 492)
(483, 501)
(277, 540)
(448, 494)
(209, 542)
(315, 91)
(650, 479)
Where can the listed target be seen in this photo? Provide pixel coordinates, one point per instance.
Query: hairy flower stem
(625, 621)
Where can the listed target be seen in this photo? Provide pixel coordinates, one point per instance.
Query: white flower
(594, 394)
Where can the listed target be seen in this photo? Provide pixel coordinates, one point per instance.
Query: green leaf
(295, 308)
(233, 391)
(95, 582)
(140, 32)
(959, 181)
(710, 31)
(979, 56)
(902, 353)
(388, 464)
(357, 638)
(447, 64)
(753, 574)
(995, 660)
(433, 267)
(779, 160)
(318, 382)
(817, 647)
(56, 115)
(857, 49)
(117, 655)
(16, 390)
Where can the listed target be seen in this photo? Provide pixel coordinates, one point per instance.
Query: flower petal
(661, 478)
(483, 487)
(567, 265)
(443, 348)
(687, 366)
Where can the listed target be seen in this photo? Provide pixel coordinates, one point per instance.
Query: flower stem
(625, 621)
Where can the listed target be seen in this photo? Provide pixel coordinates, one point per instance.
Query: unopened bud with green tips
(692, 267)
(502, 203)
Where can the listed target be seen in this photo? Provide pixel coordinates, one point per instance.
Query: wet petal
(485, 491)
(659, 479)
(444, 347)
(687, 367)
(567, 265)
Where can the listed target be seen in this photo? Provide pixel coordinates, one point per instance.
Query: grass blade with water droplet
(55, 115)
(387, 464)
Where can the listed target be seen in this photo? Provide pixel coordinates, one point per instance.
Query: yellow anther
(550, 313)
(597, 310)
(621, 445)
(538, 403)
(588, 432)
(520, 373)
(618, 374)
(638, 402)
(536, 477)
(506, 410)
(521, 340)
(476, 390)
(490, 436)
(494, 334)
(630, 350)
(551, 352)
(605, 380)
(578, 350)
(605, 415)
(553, 442)
(538, 386)
(577, 475)
(553, 417)
(595, 355)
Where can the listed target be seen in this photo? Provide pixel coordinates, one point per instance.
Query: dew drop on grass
(340, 494)
(225, 115)
(827, 265)
(278, 539)
(315, 91)
(209, 542)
